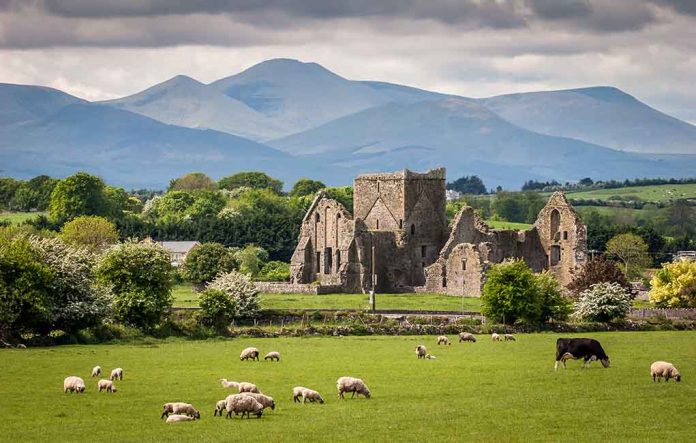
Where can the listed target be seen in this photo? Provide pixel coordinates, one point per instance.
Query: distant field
(19, 217)
(499, 224)
(656, 193)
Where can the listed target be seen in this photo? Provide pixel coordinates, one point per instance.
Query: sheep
(443, 340)
(421, 351)
(220, 406)
(179, 408)
(241, 386)
(311, 395)
(249, 353)
(274, 355)
(107, 385)
(243, 403)
(354, 385)
(176, 418)
(116, 374)
(430, 357)
(509, 337)
(467, 336)
(496, 337)
(96, 371)
(660, 369)
(265, 400)
(297, 393)
(21, 346)
(74, 384)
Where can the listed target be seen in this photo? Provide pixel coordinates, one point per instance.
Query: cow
(574, 348)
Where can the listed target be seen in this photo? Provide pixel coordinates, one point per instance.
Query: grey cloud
(681, 6)
(558, 9)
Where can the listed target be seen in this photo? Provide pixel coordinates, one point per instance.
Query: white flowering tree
(241, 289)
(603, 302)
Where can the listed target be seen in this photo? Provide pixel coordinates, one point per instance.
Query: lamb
(249, 353)
(354, 385)
(660, 369)
(265, 400)
(496, 337)
(176, 418)
(443, 340)
(243, 403)
(421, 351)
(467, 336)
(116, 374)
(311, 395)
(220, 406)
(96, 371)
(106, 384)
(179, 408)
(509, 337)
(297, 393)
(241, 386)
(73, 384)
(274, 355)
(430, 357)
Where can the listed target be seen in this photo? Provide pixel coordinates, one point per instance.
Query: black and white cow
(574, 348)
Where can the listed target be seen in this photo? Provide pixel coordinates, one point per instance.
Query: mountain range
(293, 119)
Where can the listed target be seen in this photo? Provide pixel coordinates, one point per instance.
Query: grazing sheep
(496, 337)
(96, 371)
(443, 340)
(421, 351)
(661, 369)
(21, 346)
(311, 395)
(274, 355)
(297, 393)
(74, 384)
(354, 385)
(106, 384)
(242, 386)
(244, 404)
(220, 406)
(467, 336)
(265, 400)
(179, 408)
(249, 353)
(176, 418)
(116, 374)
(509, 337)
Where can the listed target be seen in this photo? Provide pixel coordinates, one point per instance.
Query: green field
(646, 193)
(19, 217)
(480, 391)
(501, 224)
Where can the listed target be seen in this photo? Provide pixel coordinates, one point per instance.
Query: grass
(19, 217)
(480, 391)
(501, 224)
(655, 193)
(185, 297)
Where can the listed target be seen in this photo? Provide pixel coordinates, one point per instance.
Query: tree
(510, 293)
(275, 271)
(251, 259)
(241, 289)
(92, 232)
(596, 271)
(218, 309)
(305, 186)
(603, 302)
(468, 185)
(342, 194)
(632, 251)
(674, 286)
(587, 181)
(140, 277)
(192, 181)
(554, 305)
(8, 187)
(79, 194)
(34, 194)
(205, 261)
(253, 180)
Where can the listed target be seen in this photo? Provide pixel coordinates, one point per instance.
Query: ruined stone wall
(466, 268)
(378, 199)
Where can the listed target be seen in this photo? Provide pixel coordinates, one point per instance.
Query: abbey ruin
(398, 239)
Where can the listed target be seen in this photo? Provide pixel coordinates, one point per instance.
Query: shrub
(275, 271)
(554, 305)
(596, 271)
(251, 260)
(511, 292)
(205, 261)
(218, 308)
(603, 302)
(92, 232)
(240, 288)
(674, 285)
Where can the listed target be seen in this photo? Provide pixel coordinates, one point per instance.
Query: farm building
(178, 250)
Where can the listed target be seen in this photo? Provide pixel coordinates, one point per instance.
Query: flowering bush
(674, 285)
(603, 302)
(241, 289)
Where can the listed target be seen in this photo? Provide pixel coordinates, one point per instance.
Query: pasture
(654, 193)
(19, 217)
(505, 391)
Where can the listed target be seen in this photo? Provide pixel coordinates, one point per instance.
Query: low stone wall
(672, 314)
(296, 288)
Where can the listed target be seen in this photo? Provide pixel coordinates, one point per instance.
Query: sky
(477, 48)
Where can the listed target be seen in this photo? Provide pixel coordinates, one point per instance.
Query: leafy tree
(596, 271)
(253, 180)
(140, 277)
(587, 181)
(92, 232)
(177, 205)
(206, 205)
(192, 181)
(205, 261)
(79, 194)
(174, 204)
(603, 302)
(674, 285)
(251, 260)
(510, 293)
(554, 305)
(342, 194)
(8, 187)
(468, 185)
(218, 309)
(241, 289)
(275, 271)
(305, 186)
(34, 194)
(632, 251)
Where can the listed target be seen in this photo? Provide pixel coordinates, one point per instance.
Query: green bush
(218, 309)
(275, 271)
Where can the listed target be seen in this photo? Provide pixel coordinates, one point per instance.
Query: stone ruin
(398, 233)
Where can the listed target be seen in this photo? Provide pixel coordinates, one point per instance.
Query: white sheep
(244, 404)
(496, 337)
(430, 357)
(351, 384)
(312, 396)
(179, 408)
(96, 371)
(106, 384)
(421, 351)
(265, 400)
(220, 406)
(467, 336)
(509, 337)
(273, 355)
(249, 353)
(176, 418)
(241, 386)
(297, 393)
(443, 340)
(116, 374)
(660, 369)
(74, 384)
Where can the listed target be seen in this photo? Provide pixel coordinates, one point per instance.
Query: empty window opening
(377, 185)
(555, 255)
(317, 218)
(565, 235)
(377, 223)
(338, 259)
(424, 249)
(328, 258)
(555, 224)
(401, 224)
(413, 229)
(463, 264)
(317, 263)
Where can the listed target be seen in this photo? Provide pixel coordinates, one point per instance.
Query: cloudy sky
(111, 48)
